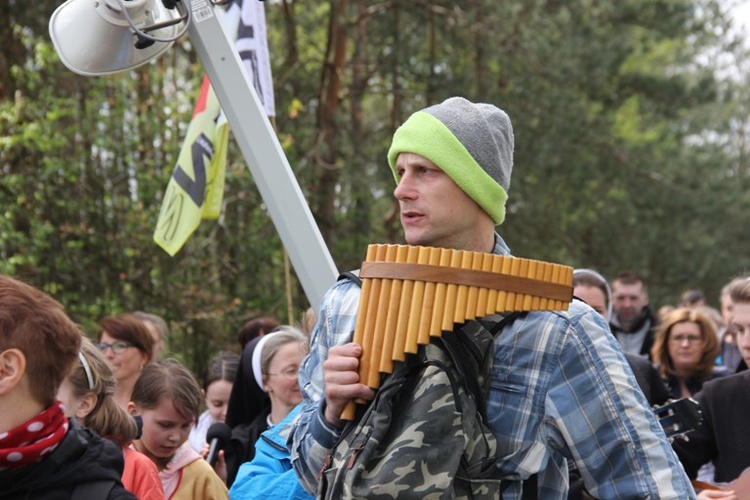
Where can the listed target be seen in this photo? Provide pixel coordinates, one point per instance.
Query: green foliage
(630, 117)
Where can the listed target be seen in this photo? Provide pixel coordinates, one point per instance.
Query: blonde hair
(739, 290)
(309, 318)
(106, 418)
(283, 335)
(711, 347)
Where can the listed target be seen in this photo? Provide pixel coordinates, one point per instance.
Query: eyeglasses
(288, 373)
(117, 347)
(692, 339)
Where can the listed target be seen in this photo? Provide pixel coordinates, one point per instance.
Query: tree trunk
(329, 134)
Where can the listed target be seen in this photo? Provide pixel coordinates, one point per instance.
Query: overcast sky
(742, 14)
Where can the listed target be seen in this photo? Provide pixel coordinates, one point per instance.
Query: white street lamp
(99, 37)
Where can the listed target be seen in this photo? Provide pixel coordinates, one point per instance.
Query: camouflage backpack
(424, 435)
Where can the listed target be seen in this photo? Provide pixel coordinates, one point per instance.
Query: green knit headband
(425, 135)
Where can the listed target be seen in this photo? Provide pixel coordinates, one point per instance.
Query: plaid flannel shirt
(560, 391)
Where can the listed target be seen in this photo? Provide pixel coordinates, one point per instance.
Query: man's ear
(132, 410)
(88, 403)
(12, 369)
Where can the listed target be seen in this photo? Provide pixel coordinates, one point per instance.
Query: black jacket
(241, 446)
(722, 436)
(648, 379)
(247, 410)
(82, 459)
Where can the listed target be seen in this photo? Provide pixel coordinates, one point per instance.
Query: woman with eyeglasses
(128, 346)
(685, 351)
(265, 390)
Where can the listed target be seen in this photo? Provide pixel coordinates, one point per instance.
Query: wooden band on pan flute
(411, 293)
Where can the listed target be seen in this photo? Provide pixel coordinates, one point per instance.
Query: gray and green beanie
(472, 143)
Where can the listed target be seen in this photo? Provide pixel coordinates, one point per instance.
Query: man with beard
(633, 323)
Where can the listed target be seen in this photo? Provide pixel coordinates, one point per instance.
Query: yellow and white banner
(248, 18)
(196, 188)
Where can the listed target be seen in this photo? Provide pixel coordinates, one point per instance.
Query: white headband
(257, 373)
(87, 369)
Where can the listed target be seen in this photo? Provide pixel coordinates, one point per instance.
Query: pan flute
(412, 293)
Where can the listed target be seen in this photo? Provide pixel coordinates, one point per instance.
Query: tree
(630, 117)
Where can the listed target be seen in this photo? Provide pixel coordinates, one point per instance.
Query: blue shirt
(560, 390)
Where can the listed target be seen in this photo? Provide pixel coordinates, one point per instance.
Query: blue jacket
(270, 473)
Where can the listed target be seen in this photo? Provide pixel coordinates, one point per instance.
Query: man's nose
(405, 188)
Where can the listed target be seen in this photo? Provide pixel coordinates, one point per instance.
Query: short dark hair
(130, 329)
(630, 278)
(691, 297)
(223, 366)
(255, 328)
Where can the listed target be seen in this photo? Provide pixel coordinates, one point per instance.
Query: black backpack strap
(467, 357)
(531, 488)
(352, 275)
(507, 319)
(530, 485)
(465, 362)
(453, 344)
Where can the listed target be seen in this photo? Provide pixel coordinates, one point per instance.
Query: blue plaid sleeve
(312, 438)
(562, 391)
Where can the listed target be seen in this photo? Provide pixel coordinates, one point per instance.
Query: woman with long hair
(88, 396)
(685, 351)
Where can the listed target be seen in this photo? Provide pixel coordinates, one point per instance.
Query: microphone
(218, 436)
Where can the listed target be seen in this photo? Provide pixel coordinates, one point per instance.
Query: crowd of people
(690, 345)
(110, 419)
(567, 396)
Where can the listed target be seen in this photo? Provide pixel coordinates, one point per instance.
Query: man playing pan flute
(560, 387)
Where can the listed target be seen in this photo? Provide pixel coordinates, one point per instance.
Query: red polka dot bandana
(30, 442)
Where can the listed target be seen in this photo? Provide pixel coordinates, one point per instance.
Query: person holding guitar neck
(722, 437)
